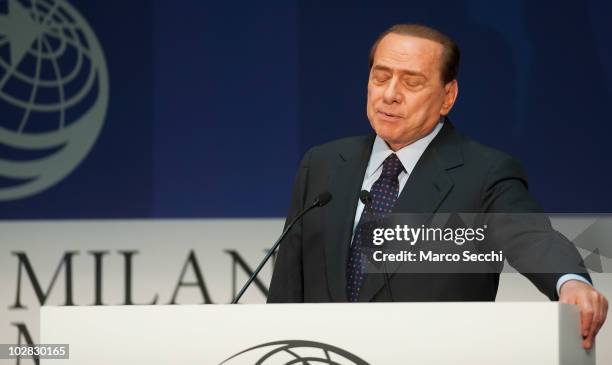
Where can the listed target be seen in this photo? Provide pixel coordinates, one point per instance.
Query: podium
(356, 333)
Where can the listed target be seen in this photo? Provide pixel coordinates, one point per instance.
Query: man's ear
(451, 90)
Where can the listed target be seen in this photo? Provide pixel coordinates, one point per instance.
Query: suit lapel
(427, 187)
(429, 183)
(345, 183)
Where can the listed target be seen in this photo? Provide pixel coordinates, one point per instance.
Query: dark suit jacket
(454, 174)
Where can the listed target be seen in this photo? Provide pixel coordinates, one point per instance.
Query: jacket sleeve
(524, 232)
(287, 279)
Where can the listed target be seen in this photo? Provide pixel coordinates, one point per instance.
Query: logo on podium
(294, 352)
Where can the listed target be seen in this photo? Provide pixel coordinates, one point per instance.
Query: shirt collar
(408, 155)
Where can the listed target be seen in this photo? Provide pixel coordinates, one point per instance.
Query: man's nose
(392, 94)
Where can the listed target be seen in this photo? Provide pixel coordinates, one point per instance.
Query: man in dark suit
(416, 163)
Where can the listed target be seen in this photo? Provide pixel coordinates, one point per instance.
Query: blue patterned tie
(384, 194)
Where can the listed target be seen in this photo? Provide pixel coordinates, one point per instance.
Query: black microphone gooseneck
(321, 200)
(366, 199)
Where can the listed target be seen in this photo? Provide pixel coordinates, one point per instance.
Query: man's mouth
(388, 116)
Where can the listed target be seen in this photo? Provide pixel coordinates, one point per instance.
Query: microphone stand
(320, 201)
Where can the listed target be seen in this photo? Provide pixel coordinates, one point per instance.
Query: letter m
(24, 264)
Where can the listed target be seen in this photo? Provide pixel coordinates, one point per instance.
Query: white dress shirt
(409, 156)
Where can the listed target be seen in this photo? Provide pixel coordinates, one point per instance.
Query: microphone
(321, 200)
(365, 197)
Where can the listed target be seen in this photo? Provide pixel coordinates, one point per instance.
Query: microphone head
(365, 197)
(322, 199)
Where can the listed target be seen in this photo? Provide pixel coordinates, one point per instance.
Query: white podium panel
(359, 333)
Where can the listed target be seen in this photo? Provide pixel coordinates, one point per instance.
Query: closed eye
(380, 77)
(414, 82)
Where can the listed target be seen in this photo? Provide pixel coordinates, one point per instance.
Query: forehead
(404, 52)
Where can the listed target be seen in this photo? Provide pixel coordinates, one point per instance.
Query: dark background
(213, 104)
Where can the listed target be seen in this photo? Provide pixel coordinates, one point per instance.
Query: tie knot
(392, 166)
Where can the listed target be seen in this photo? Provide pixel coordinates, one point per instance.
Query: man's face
(406, 95)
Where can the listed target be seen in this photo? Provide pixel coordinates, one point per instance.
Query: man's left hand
(593, 308)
